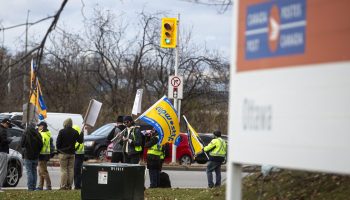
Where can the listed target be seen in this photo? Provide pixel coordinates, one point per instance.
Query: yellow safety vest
(137, 148)
(155, 150)
(217, 146)
(45, 135)
(79, 148)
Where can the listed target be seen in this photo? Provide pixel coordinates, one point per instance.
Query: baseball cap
(127, 118)
(42, 124)
(120, 119)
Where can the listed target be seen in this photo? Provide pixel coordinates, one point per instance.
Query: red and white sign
(290, 109)
(289, 87)
(175, 89)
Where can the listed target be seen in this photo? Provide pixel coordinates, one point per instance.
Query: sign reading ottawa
(275, 28)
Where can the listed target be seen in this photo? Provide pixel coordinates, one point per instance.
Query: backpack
(164, 180)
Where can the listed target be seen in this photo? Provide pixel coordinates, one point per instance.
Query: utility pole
(25, 86)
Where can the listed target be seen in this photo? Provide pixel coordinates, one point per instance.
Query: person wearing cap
(117, 136)
(154, 154)
(44, 156)
(4, 149)
(217, 149)
(65, 143)
(132, 141)
(31, 144)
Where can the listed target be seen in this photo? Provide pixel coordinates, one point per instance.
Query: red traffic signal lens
(167, 26)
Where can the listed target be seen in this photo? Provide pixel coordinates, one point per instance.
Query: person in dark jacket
(65, 144)
(132, 141)
(117, 135)
(154, 153)
(4, 149)
(31, 144)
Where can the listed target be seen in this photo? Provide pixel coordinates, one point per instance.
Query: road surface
(179, 179)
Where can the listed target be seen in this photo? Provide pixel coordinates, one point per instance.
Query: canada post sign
(275, 28)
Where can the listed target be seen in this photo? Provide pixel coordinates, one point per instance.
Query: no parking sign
(175, 90)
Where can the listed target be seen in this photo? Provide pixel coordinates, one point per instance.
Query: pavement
(54, 162)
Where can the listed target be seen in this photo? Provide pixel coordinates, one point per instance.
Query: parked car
(183, 152)
(15, 134)
(206, 139)
(96, 144)
(14, 169)
(15, 117)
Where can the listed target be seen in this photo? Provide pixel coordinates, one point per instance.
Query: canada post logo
(275, 28)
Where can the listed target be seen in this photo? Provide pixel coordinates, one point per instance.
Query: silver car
(14, 169)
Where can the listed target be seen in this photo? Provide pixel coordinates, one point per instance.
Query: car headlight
(89, 143)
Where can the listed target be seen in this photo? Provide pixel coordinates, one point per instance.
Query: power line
(26, 24)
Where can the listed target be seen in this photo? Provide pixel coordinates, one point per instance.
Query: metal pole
(25, 88)
(9, 84)
(173, 158)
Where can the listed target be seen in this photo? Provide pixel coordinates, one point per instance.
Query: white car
(14, 169)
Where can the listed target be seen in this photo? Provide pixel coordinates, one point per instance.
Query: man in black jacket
(31, 144)
(65, 144)
(132, 141)
(4, 149)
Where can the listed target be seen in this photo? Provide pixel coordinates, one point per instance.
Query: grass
(171, 194)
(296, 185)
(278, 186)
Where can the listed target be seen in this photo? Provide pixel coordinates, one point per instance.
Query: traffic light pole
(177, 102)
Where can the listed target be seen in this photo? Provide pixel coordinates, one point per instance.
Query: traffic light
(169, 33)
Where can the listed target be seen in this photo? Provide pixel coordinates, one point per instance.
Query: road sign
(289, 87)
(175, 90)
(275, 28)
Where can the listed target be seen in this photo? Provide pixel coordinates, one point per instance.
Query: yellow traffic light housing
(168, 38)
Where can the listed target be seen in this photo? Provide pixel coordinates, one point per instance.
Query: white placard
(92, 112)
(103, 177)
(136, 109)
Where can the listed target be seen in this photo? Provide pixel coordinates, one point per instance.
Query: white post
(234, 182)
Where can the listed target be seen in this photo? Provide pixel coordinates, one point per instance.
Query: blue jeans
(214, 166)
(31, 166)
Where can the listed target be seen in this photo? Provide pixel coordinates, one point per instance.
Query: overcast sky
(207, 25)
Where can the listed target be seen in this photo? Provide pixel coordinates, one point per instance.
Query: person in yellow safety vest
(44, 156)
(217, 149)
(154, 154)
(78, 161)
(132, 145)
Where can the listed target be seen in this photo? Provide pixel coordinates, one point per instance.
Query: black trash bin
(113, 181)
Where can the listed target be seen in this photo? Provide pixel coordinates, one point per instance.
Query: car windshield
(103, 130)
(3, 116)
